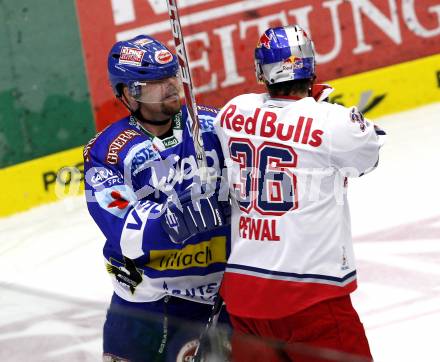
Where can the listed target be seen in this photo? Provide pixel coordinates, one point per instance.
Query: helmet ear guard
(283, 54)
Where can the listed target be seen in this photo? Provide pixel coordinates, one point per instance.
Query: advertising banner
(351, 37)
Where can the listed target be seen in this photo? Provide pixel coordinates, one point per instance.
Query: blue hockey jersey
(129, 174)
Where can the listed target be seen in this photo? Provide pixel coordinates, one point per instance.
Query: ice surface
(54, 288)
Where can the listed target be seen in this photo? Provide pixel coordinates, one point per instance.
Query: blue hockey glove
(196, 210)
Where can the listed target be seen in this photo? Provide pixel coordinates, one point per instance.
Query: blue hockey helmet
(283, 54)
(142, 58)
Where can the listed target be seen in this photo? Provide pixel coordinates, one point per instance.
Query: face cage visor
(157, 91)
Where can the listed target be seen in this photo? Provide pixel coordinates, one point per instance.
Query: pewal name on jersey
(258, 229)
(266, 124)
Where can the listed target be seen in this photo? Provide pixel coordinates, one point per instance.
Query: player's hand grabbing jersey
(291, 238)
(129, 175)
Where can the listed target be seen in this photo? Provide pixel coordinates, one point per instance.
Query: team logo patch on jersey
(344, 260)
(357, 116)
(163, 56)
(264, 41)
(131, 56)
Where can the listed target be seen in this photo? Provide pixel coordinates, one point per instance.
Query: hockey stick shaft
(212, 322)
(188, 88)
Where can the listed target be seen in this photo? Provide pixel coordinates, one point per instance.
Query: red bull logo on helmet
(264, 41)
(292, 63)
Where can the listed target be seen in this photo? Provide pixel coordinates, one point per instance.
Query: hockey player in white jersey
(291, 269)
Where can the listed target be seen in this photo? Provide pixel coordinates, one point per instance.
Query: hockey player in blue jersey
(164, 252)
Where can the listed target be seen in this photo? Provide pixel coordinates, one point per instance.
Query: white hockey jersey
(288, 160)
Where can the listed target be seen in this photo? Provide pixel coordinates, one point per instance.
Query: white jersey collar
(284, 101)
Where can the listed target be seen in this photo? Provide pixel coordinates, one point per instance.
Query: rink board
(42, 180)
(379, 92)
(391, 89)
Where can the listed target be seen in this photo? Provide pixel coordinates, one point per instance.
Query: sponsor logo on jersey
(206, 292)
(131, 56)
(118, 144)
(206, 123)
(163, 56)
(101, 176)
(264, 41)
(207, 109)
(139, 155)
(170, 142)
(190, 256)
(266, 124)
(178, 121)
